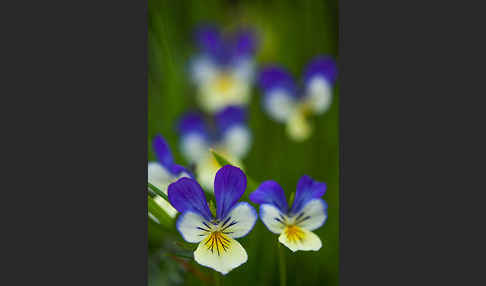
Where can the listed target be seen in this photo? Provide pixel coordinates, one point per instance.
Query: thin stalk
(157, 191)
(282, 265)
(217, 279)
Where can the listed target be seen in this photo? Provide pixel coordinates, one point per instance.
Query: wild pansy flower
(215, 233)
(295, 224)
(287, 104)
(223, 71)
(230, 137)
(164, 171)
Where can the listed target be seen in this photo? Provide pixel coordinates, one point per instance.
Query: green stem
(282, 265)
(217, 279)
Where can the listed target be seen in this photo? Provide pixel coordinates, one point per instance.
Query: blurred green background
(291, 34)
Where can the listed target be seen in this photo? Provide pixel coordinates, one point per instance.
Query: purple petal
(192, 122)
(307, 189)
(246, 43)
(270, 192)
(187, 195)
(162, 151)
(211, 42)
(321, 66)
(208, 39)
(164, 156)
(276, 77)
(229, 186)
(176, 170)
(229, 117)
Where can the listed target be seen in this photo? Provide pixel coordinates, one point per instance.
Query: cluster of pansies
(216, 231)
(223, 72)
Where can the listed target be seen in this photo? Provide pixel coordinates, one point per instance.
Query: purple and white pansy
(319, 78)
(287, 104)
(294, 224)
(230, 136)
(164, 171)
(224, 68)
(215, 233)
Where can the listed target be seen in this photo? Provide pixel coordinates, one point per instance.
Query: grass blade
(158, 191)
(164, 219)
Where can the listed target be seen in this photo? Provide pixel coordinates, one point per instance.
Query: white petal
(166, 206)
(206, 172)
(194, 147)
(280, 104)
(202, 70)
(298, 128)
(244, 70)
(223, 90)
(272, 218)
(313, 215)
(300, 239)
(239, 221)
(319, 95)
(225, 254)
(159, 176)
(193, 227)
(237, 141)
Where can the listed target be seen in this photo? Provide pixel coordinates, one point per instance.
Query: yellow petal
(298, 128)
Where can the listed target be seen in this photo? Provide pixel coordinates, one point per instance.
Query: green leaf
(291, 199)
(182, 254)
(163, 218)
(220, 159)
(158, 191)
(185, 245)
(212, 208)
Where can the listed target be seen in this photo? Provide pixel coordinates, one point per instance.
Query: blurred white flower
(285, 104)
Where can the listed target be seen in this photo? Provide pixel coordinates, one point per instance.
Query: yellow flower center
(298, 127)
(224, 83)
(217, 242)
(294, 233)
(305, 109)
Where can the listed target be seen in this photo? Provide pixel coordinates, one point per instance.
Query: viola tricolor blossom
(287, 104)
(295, 224)
(215, 233)
(164, 171)
(230, 137)
(223, 70)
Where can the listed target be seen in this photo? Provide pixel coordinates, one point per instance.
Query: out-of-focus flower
(223, 70)
(230, 137)
(164, 171)
(295, 225)
(285, 104)
(235, 136)
(215, 233)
